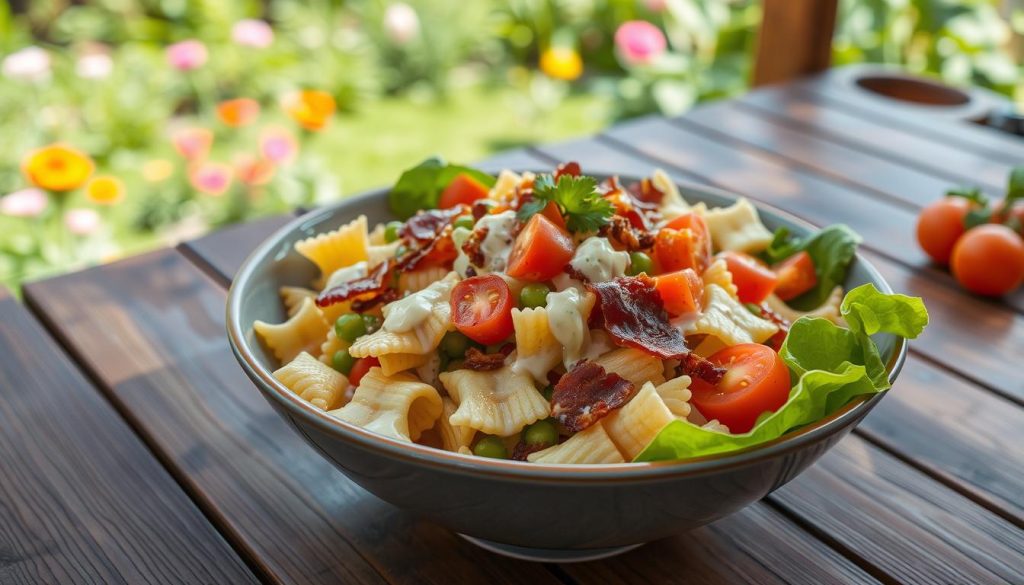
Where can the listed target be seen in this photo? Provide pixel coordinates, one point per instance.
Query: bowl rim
(522, 470)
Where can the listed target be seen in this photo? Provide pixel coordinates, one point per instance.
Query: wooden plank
(83, 500)
(956, 431)
(795, 39)
(977, 338)
(151, 330)
(224, 250)
(811, 114)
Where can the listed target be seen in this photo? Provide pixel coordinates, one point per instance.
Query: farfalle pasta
(552, 318)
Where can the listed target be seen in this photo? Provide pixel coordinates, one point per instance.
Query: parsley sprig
(577, 198)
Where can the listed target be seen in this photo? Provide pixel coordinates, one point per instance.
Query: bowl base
(549, 555)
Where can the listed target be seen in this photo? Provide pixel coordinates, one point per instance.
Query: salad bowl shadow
(539, 512)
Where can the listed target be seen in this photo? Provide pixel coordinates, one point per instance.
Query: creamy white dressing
(598, 261)
(346, 274)
(568, 324)
(536, 366)
(407, 313)
(562, 281)
(459, 237)
(600, 344)
(497, 244)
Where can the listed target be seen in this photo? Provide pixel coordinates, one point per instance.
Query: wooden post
(795, 39)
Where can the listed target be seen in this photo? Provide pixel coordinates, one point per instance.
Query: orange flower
(192, 143)
(238, 112)
(105, 190)
(211, 178)
(310, 108)
(253, 170)
(57, 167)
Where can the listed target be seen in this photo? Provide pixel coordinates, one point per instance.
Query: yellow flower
(561, 63)
(310, 108)
(105, 190)
(57, 167)
(157, 170)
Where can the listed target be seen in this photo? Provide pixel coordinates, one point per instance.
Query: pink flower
(82, 222)
(278, 146)
(193, 143)
(29, 202)
(401, 23)
(639, 42)
(187, 55)
(251, 32)
(28, 64)
(211, 178)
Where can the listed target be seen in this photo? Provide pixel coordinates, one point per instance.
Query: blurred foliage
(458, 78)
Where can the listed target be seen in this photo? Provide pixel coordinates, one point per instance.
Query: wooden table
(134, 450)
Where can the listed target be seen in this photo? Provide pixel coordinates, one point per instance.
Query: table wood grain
(928, 489)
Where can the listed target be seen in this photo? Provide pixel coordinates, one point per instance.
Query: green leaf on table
(831, 366)
(420, 187)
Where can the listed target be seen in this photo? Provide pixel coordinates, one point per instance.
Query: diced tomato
(681, 291)
(756, 381)
(482, 308)
(754, 280)
(551, 212)
(541, 250)
(683, 243)
(360, 368)
(796, 276)
(463, 189)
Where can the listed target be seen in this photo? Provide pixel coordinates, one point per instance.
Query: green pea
(639, 262)
(343, 361)
(350, 327)
(391, 231)
(490, 446)
(455, 344)
(371, 322)
(542, 432)
(548, 392)
(465, 221)
(534, 295)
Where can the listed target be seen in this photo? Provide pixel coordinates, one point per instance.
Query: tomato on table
(360, 368)
(754, 280)
(683, 243)
(541, 250)
(756, 380)
(482, 308)
(463, 189)
(680, 291)
(989, 260)
(796, 275)
(940, 225)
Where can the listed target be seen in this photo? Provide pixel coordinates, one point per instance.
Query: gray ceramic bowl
(550, 512)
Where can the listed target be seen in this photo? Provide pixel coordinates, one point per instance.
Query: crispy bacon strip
(472, 247)
(439, 251)
(631, 311)
(372, 283)
(385, 296)
(646, 191)
(426, 225)
(523, 450)
(587, 393)
(482, 362)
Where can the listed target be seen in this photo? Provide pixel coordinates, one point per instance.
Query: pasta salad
(558, 318)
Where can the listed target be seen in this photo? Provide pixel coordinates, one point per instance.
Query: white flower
(94, 66)
(401, 24)
(82, 222)
(24, 203)
(250, 32)
(29, 64)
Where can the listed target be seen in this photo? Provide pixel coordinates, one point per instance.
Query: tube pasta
(635, 425)
(592, 445)
(725, 318)
(737, 227)
(392, 363)
(537, 350)
(499, 402)
(398, 406)
(337, 249)
(418, 280)
(314, 382)
(676, 394)
(634, 365)
(453, 437)
(305, 331)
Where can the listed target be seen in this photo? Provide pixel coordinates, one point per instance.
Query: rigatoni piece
(453, 437)
(314, 382)
(632, 364)
(537, 350)
(305, 331)
(336, 249)
(499, 402)
(635, 425)
(398, 406)
(591, 445)
(417, 280)
(392, 363)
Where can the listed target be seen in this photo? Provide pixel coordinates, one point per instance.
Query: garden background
(128, 124)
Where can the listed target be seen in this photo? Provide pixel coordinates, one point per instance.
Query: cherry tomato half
(463, 189)
(989, 260)
(360, 368)
(754, 280)
(756, 381)
(680, 292)
(482, 308)
(541, 250)
(795, 275)
(940, 225)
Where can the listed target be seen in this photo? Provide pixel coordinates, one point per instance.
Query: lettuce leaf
(420, 187)
(832, 249)
(831, 366)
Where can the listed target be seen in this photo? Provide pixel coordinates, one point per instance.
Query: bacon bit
(522, 450)
(473, 244)
(483, 362)
(575, 274)
(646, 191)
(437, 252)
(571, 168)
(631, 311)
(385, 296)
(609, 186)
(480, 208)
(587, 393)
(427, 225)
(372, 283)
(775, 341)
(619, 229)
(695, 366)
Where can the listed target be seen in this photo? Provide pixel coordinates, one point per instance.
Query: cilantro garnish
(585, 210)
